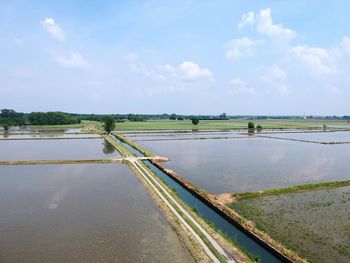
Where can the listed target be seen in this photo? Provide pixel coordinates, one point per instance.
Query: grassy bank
(292, 189)
(134, 145)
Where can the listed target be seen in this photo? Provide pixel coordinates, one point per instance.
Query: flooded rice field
(253, 164)
(184, 136)
(12, 150)
(81, 213)
(323, 137)
(315, 224)
(46, 135)
(30, 129)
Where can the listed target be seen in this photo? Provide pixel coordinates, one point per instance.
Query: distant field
(229, 124)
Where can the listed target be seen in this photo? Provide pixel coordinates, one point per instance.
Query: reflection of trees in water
(108, 148)
(6, 133)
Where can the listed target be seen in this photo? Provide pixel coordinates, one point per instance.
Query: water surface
(11, 150)
(343, 136)
(253, 164)
(81, 213)
(46, 135)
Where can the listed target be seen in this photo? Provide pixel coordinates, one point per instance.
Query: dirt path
(175, 207)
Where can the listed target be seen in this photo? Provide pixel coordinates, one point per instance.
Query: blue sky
(187, 57)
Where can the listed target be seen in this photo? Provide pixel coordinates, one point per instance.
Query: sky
(185, 57)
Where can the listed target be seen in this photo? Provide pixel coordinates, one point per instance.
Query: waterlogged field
(45, 135)
(12, 150)
(182, 136)
(327, 137)
(252, 164)
(315, 224)
(38, 129)
(81, 213)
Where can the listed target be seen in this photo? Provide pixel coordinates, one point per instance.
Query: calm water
(28, 129)
(176, 136)
(317, 136)
(253, 164)
(81, 213)
(217, 220)
(56, 149)
(45, 135)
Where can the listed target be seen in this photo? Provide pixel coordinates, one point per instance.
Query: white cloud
(277, 73)
(317, 60)
(142, 69)
(239, 87)
(345, 45)
(266, 26)
(247, 19)
(74, 60)
(240, 47)
(186, 77)
(276, 78)
(191, 70)
(132, 56)
(54, 30)
(168, 68)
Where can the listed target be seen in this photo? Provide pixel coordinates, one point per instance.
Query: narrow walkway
(174, 206)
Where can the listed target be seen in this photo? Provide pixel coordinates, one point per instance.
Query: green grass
(293, 189)
(134, 145)
(228, 124)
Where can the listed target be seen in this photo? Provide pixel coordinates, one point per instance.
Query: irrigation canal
(245, 240)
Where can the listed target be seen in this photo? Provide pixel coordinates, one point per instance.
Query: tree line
(10, 117)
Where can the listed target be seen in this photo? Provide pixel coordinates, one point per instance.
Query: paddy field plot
(322, 137)
(253, 164)
(12, 150)
(315, 224)
(81, 213)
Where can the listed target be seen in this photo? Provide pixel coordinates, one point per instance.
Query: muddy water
(81, 213)
(316, 224)
(253, 164)
(55, 149)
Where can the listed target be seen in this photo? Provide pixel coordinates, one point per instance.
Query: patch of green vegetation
(315, 224)
(229, 124)
(118, 146)
(134, 145)
(292, 189)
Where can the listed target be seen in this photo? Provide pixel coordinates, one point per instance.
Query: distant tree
(195, 120)
(259, 128)
(180, 119)
(251, 125)
(173, 116)
(324, 127)
(136, 117)
(109, 124)
(8, 114)
(223, 116)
